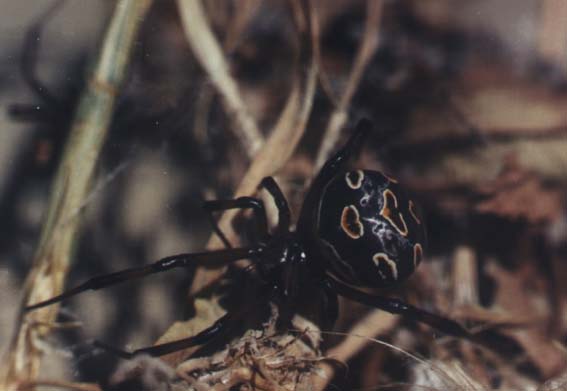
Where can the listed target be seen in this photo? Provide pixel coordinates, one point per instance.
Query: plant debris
(469, 101)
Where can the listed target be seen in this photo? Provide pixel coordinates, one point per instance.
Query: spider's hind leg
(395, 306)
(330, 306)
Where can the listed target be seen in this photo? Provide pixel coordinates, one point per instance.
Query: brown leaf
(513, 296)
(518, 194)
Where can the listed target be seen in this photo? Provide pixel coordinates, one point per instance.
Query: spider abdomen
(369, 228)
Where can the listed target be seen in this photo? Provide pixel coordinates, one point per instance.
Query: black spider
(355, 229)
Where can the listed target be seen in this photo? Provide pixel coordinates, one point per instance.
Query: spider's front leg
(258, 210)
(164, 264)
(255, 204)
(284, 214)
(205, 336)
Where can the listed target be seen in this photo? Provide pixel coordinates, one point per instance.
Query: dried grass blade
(209, 53)
(364, 55)
(71, 187)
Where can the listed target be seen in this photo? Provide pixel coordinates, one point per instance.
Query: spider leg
(205, 336)
(221, 325)
(255, 204)
(284, 215)
(164, 264)
(330, 169)
(330, 304)
(395, 306)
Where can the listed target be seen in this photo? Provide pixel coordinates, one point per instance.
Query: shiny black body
(355, 229)
(370, 229)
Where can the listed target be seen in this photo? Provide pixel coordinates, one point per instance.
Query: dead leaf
(519, 194)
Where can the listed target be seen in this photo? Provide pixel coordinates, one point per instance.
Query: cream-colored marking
(357, 181)
(386, 192)
(412, 211)
(405, 230)
(379, 257)
(417, 254)
(386, 212)
(389, 178)
(365, 199)
(348, 222)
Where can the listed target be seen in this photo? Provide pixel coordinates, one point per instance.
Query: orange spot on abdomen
(350, 222)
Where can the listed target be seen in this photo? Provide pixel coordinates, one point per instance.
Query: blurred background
(470, 100)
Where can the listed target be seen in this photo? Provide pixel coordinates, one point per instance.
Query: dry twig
(553, 13)
(374, 323)
(209, 53)
(366, 50)
(59, 385)
(238, 23)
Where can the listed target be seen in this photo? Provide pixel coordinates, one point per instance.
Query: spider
(356, 229)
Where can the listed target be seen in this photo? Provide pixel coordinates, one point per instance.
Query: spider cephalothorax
(356, 228)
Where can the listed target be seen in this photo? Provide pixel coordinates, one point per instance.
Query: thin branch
(239, 21)
(243, 14)
(373, 324)
(209, 53)
(71, 187)
(59, 385)
(325, 372)
(552, 29)
(364, 55)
